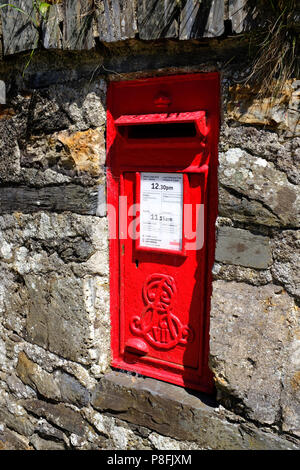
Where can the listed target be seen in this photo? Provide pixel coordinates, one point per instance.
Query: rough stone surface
(10, 440)
(284, 153)
(31, 374)
(47, 431)
(9, 150)
(286, 253)
(56, 326)
(59, 415)
(238, 273)
(253, 332)
(77, 106)
(257, 179)
(20, 424)
(44, 444)
(279, 112)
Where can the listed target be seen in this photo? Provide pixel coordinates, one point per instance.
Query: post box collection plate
(162, 136)
(161, 210)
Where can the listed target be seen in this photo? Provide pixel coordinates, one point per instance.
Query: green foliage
(41, 9)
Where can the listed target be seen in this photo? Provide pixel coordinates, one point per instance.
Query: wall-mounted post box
(162, 202)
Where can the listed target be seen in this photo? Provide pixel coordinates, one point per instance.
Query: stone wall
(57, 390)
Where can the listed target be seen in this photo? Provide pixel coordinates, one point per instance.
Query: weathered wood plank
(1, 37)
(52, 35)
(69, 197)
(78, 24)
(19, 29)
(158, 18)
(238, 14)
(201, 19)
(215, 21)
(190, 20)
(248, 16)
(116, 20)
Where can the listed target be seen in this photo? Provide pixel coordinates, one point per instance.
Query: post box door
(162, 289)
(162, 136)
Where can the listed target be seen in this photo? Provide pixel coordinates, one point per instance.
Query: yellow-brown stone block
(279, 111)
(85, 149)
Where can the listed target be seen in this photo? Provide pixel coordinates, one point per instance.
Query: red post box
(162, 138)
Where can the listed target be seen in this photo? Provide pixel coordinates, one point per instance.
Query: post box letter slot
(162, 126)
(160, 131)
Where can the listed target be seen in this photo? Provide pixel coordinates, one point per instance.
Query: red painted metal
(160, 298)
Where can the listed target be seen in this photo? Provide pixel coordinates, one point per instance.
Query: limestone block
(291, 385)
(166, 443)
(55, 287)
(15, 417)
(53, 363)
(118, 434)
(253, 330)
(13, 295)
(259, 180)
(240, 247)
(18, 389)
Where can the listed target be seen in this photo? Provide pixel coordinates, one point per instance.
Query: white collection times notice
(161, 202)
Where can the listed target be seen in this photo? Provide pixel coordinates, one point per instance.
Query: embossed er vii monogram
(157, 324)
